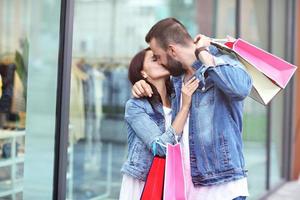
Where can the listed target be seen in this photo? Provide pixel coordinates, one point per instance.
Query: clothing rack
(102, 62)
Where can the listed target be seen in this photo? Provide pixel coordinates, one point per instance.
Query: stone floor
(290, 191)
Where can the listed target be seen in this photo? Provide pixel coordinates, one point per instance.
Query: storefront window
(103, 44)
(28, 70)
(107, 34)
(225, 18)
(254, 22)
(277, 106)
(14, 48)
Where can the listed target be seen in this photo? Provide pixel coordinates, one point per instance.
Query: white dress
(131, 188)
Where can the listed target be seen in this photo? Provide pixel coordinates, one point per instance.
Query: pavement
(289, 191)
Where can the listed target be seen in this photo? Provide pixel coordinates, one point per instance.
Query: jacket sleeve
(229, 75)
(146, 129)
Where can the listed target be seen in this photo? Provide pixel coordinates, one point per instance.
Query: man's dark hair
(169, 30)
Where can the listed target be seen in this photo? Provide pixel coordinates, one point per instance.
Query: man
(212, 139)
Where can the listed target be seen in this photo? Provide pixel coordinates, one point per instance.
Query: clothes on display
(95, 89)
(76, 115)
(12, 100)
(18, 100)
(85, 119)
(7, 72)
(12, 124)
(92, 89)
(117, 86)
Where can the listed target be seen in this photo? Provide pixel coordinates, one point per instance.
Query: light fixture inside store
(90, 1)
(188, 2)
(147, 3)
(133, 3)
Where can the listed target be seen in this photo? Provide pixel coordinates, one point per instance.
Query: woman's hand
(187, 91)
(141, 89)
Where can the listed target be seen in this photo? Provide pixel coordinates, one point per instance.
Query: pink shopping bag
(269, 73)
(174, 187)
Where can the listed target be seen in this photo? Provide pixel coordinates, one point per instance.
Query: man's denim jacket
(216, 119)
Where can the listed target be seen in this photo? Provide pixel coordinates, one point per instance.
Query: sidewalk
(290, 191)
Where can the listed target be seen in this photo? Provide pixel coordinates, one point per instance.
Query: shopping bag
(153, 189)
(270, 74)
(174, 188)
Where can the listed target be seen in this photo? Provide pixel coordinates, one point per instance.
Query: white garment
(131, 188)
(225, 191)
(168, 117)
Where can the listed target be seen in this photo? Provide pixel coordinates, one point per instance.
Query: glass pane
(104, 41)
(225, 18)
(254, 29)
(278, 48)
(28, 68)
(43, 36)
(13, 73)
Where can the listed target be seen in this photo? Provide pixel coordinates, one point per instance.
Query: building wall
(296, 145)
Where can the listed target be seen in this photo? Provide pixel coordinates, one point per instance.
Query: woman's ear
(144, 74)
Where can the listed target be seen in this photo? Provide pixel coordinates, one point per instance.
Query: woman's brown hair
(134, 75)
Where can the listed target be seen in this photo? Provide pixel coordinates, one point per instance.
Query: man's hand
(141, 89)
(202, 41)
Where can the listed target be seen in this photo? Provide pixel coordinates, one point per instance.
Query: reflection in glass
(277, 105)
(103, 44)
(254, 29)
(14, 49)
(28, 71)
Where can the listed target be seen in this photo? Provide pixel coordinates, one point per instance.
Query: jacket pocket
(204, 98)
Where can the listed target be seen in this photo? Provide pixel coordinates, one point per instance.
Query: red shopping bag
(153, 189)
(269, 73)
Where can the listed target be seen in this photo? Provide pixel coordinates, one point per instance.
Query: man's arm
(202, 42)
(228, 74)
(206, 58)
(226, 71)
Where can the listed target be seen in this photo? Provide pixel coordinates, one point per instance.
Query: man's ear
(144, 74)
(172, 50)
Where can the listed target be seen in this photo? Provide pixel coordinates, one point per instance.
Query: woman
(148, 121)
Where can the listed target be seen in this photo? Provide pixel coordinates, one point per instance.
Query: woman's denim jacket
(145, 127)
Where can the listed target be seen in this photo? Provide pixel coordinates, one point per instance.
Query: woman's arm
(145, 128)
(148, 131)
(187, 91)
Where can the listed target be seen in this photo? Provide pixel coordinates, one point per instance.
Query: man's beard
(174, 67)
